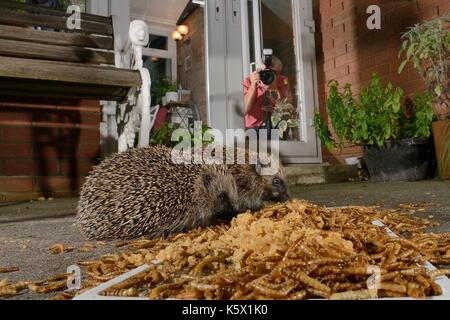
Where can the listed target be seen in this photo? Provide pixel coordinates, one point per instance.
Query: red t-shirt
(255, 118)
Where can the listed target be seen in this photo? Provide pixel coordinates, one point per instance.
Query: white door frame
(222, 86)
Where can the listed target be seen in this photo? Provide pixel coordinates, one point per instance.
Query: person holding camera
(262, 90)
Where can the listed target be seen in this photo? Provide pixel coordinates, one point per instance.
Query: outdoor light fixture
(176, 36)
(183, 29)
(180, 33)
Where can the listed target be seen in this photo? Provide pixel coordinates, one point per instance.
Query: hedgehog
(143, 193)
(255, 188)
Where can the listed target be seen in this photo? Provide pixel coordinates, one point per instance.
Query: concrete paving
(28, 230)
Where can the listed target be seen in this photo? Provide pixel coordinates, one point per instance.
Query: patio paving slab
(28, 230)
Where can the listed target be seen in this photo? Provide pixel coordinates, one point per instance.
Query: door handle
(235, 11)
(218, 9)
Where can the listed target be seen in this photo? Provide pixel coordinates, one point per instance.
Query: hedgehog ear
(207, 178)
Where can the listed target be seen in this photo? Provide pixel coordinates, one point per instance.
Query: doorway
(237, 33)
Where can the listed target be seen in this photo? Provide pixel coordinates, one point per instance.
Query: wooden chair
(41, 55)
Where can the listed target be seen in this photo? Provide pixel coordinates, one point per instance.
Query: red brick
(68, 150)
(30, 134)
(367, 51)
(16, 184)
(16, 150)
(337, 73)
(25, 167)
(94, 104)
(8, 116)
(82, 166)
(90, 118)
(57, 183)
(381, 70)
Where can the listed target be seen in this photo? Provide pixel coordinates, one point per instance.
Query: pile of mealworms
(295, 250)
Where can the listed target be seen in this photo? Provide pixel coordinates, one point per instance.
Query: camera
(268, 75)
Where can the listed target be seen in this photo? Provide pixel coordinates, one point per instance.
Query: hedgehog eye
(223, 196)
(276, 182)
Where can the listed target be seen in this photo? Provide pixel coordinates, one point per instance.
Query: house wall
(46, 147)
(349, 52)
(194, 79)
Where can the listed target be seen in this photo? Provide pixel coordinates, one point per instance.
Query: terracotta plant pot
(441, 132)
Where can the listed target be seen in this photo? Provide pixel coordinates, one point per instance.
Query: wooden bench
(40, 56)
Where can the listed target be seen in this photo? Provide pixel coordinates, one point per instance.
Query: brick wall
(195, 78)
(350, 53)
(46, 147)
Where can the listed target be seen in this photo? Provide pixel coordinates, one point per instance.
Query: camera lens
(267, 77)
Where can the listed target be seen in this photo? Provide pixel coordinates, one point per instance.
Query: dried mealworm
(393, 287)
(205, 263)
(60, 248)
(9, 270)
(8, 291)
(63, 297)
(58, 286)
(130, 292)
(355, 295)
(4, 283)
(311, 282)
(439, 273)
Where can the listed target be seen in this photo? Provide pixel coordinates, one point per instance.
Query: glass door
(286, 27)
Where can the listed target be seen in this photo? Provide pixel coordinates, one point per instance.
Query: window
(160, 68)
(158, 42)
(160, 55)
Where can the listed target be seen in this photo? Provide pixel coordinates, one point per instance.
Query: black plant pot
(401, 160)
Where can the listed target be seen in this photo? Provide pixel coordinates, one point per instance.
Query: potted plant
(396, 141)
(427, 47)
(160, 89)
(284, 118)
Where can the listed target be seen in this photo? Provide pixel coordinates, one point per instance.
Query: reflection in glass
(277, 29)
(278, 34)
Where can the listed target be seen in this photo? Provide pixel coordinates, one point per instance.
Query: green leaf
(292, 123)
(282, 127)
(402, 66)
(438, 91)
(275, 120)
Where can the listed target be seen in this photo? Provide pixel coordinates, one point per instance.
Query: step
(320, 173)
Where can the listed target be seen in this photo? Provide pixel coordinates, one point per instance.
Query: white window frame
(170, 53)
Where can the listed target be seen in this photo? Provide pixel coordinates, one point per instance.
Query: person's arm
(250, 91)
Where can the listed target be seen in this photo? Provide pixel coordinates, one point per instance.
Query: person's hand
(255, 77)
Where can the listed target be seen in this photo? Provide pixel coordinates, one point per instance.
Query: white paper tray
(94, 294)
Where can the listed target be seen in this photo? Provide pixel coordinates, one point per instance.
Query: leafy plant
(427, 47)
(203, 140)
(418, 117)
(323, 132)
(375, 117)
(163, 136)
(284, 116)
(160, 88)
(379, 110)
